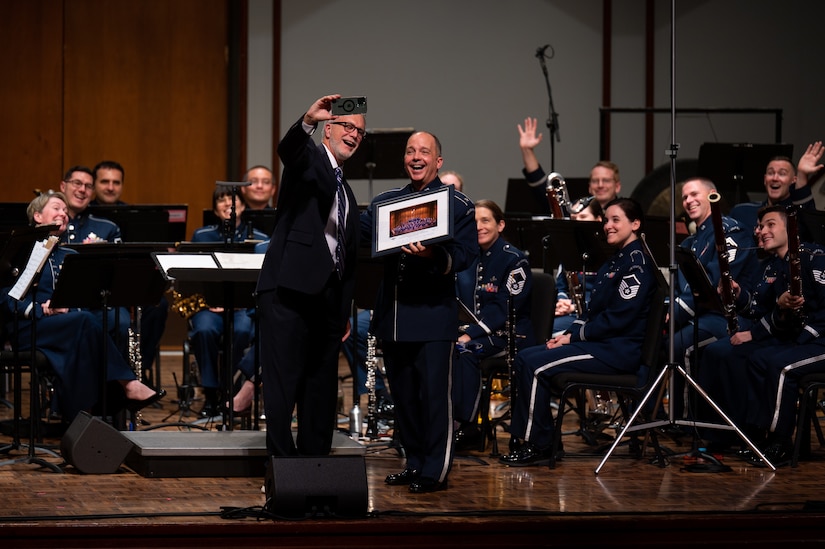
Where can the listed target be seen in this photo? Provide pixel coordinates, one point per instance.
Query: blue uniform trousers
(423, 406)
(206, 335)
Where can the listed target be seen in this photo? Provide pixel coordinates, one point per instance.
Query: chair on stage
(629, 388)
(496, 368)
(809, 385)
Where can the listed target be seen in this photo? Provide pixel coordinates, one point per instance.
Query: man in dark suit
(307, 281)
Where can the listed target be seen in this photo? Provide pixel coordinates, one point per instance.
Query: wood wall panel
(146, 85)
(30, 97)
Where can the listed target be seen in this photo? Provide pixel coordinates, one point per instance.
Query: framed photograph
(424, 217)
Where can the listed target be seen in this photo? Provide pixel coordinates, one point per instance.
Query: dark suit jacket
(298, 257)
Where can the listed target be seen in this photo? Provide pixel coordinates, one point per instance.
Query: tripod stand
(672, 368)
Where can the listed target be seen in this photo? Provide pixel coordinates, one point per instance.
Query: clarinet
(372, 402)
(135, 360)
(725, 279)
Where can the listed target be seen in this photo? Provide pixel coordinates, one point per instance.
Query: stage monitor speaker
(328, 486)
(94, 447)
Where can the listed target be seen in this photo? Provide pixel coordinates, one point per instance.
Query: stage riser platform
(162, 454)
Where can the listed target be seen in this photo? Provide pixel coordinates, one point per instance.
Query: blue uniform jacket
(761, 303)
(417, 298)
(746, 213)
(45, 287)
(744, 264)
(616, 318)
(86, 226)
(483, 289)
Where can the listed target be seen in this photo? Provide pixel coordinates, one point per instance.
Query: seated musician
(753, 375)
(743, 267)
(604, 186)
(607, 340)
(84, 228)
(207, 326)
(71, 339)
(483, 289)
(785, 185)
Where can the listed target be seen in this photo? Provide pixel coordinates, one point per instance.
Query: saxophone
(187, 306)
(557, 196)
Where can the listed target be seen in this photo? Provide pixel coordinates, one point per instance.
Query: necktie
(340, 245)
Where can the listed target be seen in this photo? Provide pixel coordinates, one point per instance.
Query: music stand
(20, 240)
(13, 215)
(263, 220)
(738, 169)
(146, 222)
(109, 275)
(225, 279)
(379, 156)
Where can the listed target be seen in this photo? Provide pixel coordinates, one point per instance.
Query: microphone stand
(553, 118)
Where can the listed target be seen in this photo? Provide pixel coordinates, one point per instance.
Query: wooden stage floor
(631, 502)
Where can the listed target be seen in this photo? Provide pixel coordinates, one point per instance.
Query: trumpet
(557, 196)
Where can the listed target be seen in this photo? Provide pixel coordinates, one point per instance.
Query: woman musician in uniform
(483, 290)
(608, 339)
(71, 339)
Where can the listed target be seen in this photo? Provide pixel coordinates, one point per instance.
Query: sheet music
(185, 261)
(228, 260)
(40, 252)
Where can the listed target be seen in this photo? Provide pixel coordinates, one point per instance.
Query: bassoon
(794, 265)
(725, 279)
(794, 261)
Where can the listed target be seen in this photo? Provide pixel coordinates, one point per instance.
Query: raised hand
(807, 165)
(528, 138)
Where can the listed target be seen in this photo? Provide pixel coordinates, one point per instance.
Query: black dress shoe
(135, 405)
(529, 454)
(425, 485)
(385, 407)
(407, 476)
(468, 437)
(778, 453)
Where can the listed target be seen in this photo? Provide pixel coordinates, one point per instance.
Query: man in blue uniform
(785, 185)
(744, 267)
(753, 374)
(84, 228)
(416, 318)
(78, 186)
(108, 183)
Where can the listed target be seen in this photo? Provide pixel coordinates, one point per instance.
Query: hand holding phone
(349, 105)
